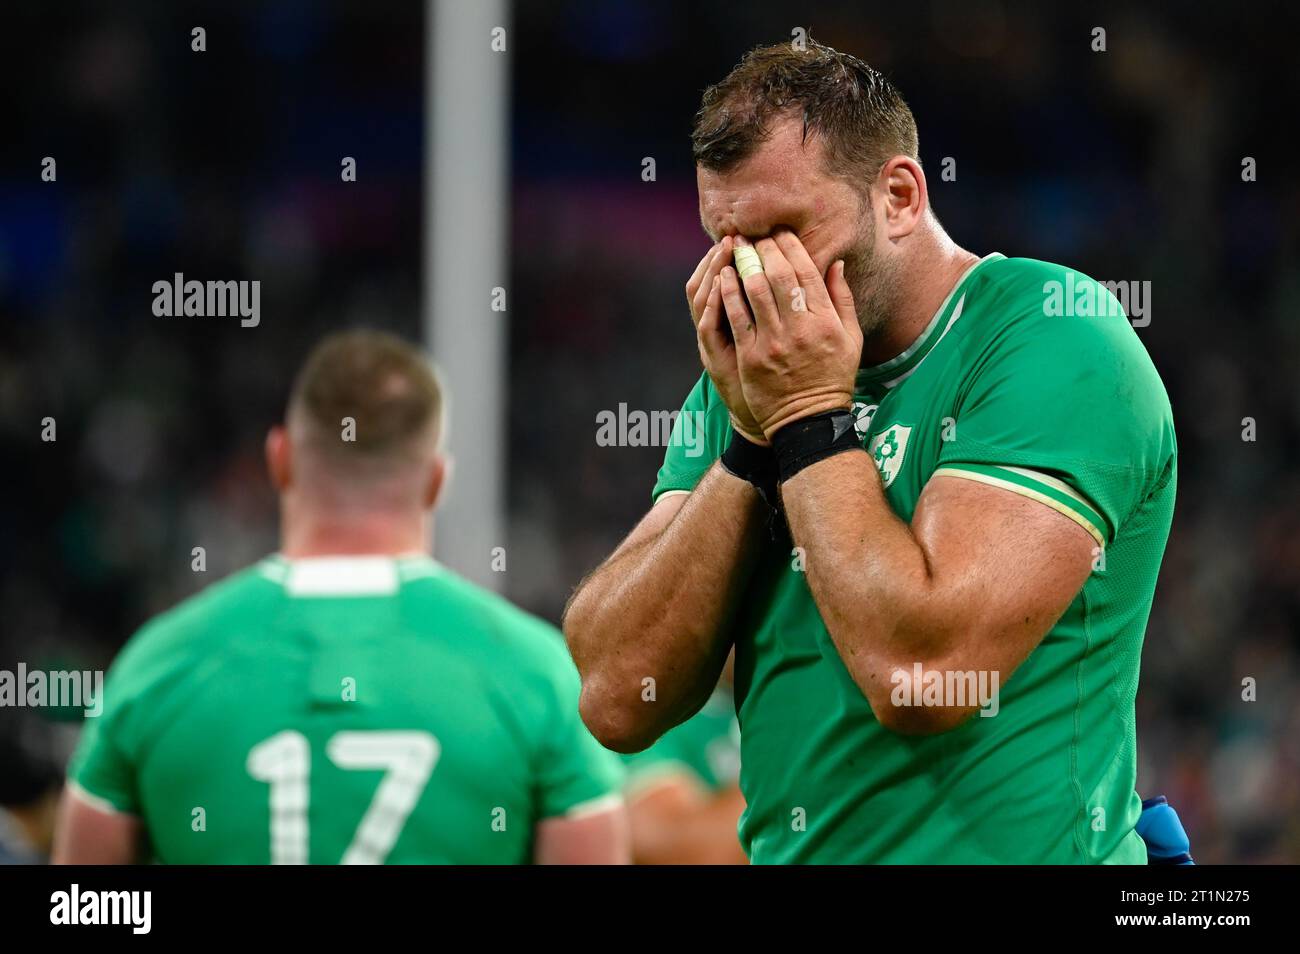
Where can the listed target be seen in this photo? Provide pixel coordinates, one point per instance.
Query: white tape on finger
(747, 261)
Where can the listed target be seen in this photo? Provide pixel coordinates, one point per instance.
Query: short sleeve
(698, 438)
(106, 763)
(575, 772)
(1070, 412)
(101, 767)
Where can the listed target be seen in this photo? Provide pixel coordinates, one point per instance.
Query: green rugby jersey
(705, 747)
(1004, 389)
(344, 709)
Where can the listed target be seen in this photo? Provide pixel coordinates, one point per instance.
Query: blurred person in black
(30, 781)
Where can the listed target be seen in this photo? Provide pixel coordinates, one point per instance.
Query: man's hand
(797, 353)
(717, 346)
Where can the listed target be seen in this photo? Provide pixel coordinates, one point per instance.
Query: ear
(278, 458)
(438, 475)
(906, 196)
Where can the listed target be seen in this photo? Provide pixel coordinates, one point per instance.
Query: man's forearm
(867, 573)
(659, 611)
(972, 585)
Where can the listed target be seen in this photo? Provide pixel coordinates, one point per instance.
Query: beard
(872, 279)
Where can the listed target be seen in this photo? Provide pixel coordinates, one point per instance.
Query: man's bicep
(92, 832)
(597, 837)
(655, 521)
(1007, 562)
(1071, 414)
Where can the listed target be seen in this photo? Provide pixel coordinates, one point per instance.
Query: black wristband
(810, 439)
(752, 462)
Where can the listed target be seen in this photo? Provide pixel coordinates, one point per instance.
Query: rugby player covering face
(998, 523)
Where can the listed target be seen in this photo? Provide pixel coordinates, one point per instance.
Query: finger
(841, 296)
(721, 255)
(743, 331)
(804, 267)
(806, 271)
(781, 276)
(697, 277)
(713, 339)
(758, 291)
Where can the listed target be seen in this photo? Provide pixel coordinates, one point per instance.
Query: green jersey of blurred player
(683, 793)
(348, 700)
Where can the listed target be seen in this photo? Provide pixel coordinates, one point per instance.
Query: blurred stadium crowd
(1125, 164)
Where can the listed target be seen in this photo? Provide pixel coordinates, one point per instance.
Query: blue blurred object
(1163, 831)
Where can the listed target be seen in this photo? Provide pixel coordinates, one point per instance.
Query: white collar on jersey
(347, 575)
(929, 337)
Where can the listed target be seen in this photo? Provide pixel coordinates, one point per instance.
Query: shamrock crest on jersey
(888, 448)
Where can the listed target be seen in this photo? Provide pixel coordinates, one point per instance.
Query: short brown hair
(378, 380)
(860, 115)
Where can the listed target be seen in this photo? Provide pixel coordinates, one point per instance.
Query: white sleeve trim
(93, 800)
(645, 780)
(595, 806)
(672, 493)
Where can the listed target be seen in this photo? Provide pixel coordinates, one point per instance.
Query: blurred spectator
(31, 777)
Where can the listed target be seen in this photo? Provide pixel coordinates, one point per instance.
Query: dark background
(1124, 164)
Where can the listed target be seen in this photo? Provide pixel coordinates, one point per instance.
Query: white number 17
(284, 762)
